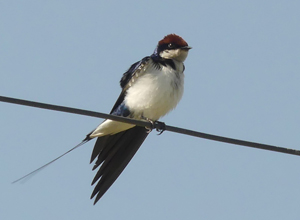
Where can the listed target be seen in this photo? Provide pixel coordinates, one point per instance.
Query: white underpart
(152, 95)
(156, 92)
(110, 127)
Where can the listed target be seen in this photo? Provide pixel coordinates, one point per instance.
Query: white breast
(156, 92)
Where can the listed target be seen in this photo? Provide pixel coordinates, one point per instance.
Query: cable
(73, 111)
(148, 124)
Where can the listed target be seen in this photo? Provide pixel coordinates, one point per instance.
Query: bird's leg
(159, 126)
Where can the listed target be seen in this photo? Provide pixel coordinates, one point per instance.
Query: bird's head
(173, 47)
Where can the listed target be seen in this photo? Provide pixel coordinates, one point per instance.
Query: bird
(150, 89)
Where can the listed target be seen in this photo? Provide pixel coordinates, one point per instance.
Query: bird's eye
(170, 45)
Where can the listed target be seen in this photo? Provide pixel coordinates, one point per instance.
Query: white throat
(177, 54)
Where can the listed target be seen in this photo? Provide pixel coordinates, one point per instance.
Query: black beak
(186, 48)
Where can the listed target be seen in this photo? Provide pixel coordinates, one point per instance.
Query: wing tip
(121, 150)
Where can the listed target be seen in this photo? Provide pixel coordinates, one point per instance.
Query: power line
(148, 124)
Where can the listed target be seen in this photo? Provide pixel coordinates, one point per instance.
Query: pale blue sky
(242, 81)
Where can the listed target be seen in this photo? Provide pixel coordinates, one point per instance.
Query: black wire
(148, 124)
(73, 111)
(233, 141)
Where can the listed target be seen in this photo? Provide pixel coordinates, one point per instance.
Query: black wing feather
(131, 71)
(117, 156)
(115, 151)
(127, 76)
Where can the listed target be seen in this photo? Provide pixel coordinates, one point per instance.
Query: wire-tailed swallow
(151, 88)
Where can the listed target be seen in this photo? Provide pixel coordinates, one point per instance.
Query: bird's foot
(149, 129)
(158, 125)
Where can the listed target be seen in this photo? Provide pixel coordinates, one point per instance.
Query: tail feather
(52, 161)
(100, 143)
(114, 154)
(109, 144)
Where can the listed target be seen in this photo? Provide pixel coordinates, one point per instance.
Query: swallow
(151, 88)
